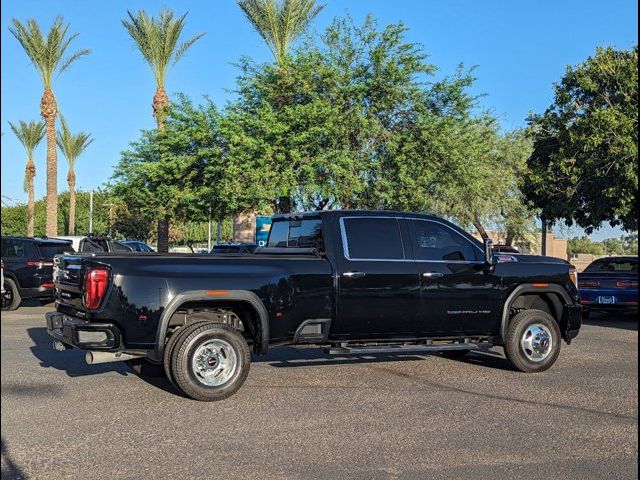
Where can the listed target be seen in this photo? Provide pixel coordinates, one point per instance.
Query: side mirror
(489, 260)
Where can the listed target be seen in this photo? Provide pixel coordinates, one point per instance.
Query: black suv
(28, 268)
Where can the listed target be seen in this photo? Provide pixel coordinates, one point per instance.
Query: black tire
(516, 330)
(168, 351)
(186, 348)
(11, 297)
(145, 368)
(586, 313)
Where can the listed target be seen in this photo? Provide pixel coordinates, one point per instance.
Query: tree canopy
(584, 165)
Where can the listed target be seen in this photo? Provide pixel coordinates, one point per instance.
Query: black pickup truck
(354, 281)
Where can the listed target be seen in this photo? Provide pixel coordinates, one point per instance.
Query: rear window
(49, 250)
(306, 233)
(622, 266)
(373, 239)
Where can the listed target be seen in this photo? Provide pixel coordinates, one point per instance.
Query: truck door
(378, 283)
(457, 295)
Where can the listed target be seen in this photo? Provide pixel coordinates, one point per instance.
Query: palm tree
(30, 135)
(280, 22)
(72, 146)
(48, 56)
(157, 39)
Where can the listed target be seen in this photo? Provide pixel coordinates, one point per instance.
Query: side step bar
(346, 350)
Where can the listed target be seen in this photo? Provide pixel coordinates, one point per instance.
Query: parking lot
(303, 414)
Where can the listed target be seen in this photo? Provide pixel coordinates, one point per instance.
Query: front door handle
(353, 274)
(433, 274)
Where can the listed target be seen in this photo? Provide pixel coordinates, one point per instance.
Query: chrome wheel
(214, 362)
(536, 342)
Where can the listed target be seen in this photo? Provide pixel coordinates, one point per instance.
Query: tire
(533, 341)
(225, 359)
(11, 297)
(144, 368)
(586, 313)
(168, 351)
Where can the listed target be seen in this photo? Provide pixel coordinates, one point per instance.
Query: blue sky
(519, 48)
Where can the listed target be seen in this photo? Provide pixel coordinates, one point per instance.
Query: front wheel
(210, 361)
(533, 341)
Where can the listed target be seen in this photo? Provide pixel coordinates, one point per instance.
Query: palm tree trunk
(49, 110)
(160, 103)
(31, 204)
(71, 178)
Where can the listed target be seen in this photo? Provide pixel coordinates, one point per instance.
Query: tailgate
(68, 276)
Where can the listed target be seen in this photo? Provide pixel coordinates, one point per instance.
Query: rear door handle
(353, 274)
(433, 274)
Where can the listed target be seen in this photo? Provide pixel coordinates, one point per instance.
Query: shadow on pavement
(10, 470)
(70, 361)
(627, 321)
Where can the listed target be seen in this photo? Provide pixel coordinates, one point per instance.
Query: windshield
(618, 265)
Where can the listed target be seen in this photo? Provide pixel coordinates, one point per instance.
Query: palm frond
(157, 39)
(72, 145)
(46, 54)
(29, 134)
(280, 22)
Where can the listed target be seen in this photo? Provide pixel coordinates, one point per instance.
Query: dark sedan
(610, 284)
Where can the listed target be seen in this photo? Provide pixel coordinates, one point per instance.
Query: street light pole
(209, 232)
(91, 212)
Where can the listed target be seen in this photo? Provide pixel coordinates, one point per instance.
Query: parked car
(96, 244)
(610, 284)
(505, 249)
(241, 248)
(354, 282)
(137, 246)
(27, 268)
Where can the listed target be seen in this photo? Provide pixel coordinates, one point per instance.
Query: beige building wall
(556, 247)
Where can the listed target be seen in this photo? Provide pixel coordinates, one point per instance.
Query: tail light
(627, 284)
(96, 281)
(589, 283)
(573, 275)
(39, 263)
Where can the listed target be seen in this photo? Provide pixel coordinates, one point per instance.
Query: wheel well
(239, 314)
(547, 302)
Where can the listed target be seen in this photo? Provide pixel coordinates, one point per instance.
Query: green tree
(48, 57)
(584, 245)
(158, 41)
(72, 146)
(584, 165)
(280, 22)
(30, 135)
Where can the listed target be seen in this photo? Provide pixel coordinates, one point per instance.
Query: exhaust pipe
(93, 358)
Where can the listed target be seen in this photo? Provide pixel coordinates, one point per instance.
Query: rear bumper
(571, 322)
(79, 333)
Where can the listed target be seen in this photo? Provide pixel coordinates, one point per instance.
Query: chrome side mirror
(489, 259)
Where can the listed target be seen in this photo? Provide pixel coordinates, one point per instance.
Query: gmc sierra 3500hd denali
(353, 281)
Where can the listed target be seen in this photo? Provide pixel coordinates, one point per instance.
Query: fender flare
(529, 288)
(206, 295)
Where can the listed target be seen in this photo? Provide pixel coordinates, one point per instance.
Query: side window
(373, 238)
(439, 242)
(12, 248)
(306, 233)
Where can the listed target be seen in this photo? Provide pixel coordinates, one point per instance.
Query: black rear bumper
(79, 333)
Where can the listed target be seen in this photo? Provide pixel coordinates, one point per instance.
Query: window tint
(628, 266)
(438, 242)
(49, 250)
(120, 247)
(296, 234)
(374, 238)
(12, 248)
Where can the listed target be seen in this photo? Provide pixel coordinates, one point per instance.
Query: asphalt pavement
(304, 414)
